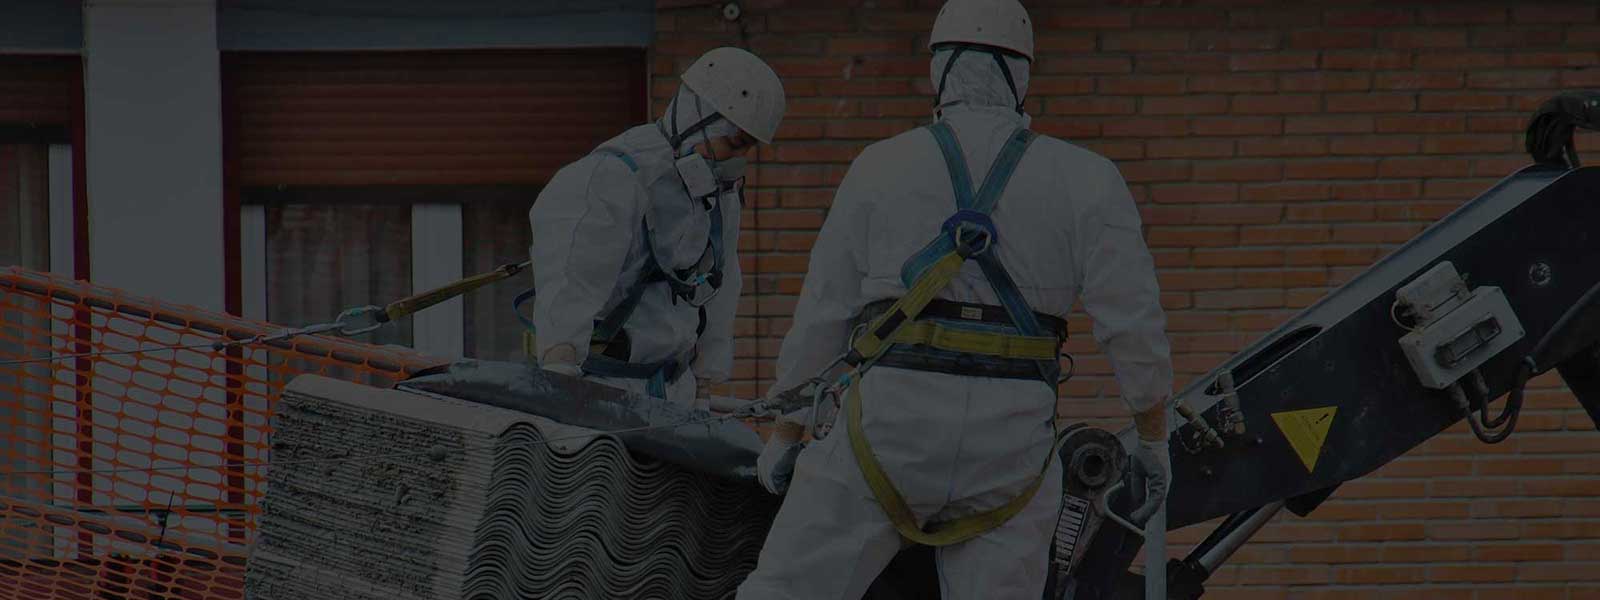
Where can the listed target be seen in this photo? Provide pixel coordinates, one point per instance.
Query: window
(495, 231)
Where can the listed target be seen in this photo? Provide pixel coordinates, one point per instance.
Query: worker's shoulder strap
(626, 158)
(972, 219)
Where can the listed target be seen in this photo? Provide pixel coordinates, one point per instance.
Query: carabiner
(351, 323)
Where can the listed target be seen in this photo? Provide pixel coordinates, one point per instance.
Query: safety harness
(968, 234)
(609, 347)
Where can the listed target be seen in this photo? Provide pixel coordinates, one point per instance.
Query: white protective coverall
(588, 248)
(954, 445)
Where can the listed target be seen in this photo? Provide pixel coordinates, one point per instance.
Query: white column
(153, 112)
(436, 260)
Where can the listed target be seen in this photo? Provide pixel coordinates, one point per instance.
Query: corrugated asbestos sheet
(466, 504)
(38, 90)
(425, 118)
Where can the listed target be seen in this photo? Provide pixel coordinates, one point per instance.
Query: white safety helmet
(744, 90)
(1001, 24)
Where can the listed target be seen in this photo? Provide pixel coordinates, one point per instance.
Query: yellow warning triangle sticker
(1306, 430)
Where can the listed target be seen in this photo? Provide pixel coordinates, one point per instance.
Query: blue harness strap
(972, 233)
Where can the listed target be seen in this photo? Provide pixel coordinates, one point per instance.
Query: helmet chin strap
(699, 126)
(999, 59)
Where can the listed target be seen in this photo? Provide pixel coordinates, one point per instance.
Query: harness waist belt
(951, 310)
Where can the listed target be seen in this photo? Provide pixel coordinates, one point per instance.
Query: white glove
(775, 465)
(562, 359)
(1153, 461)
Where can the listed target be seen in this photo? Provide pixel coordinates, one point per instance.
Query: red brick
(1328, 124)
(1235, 40)
(1276, 104)
(1329, 81)
(1238, 171)
(1285, 192)
(1181, 18)
(1155, 171)
(1332, 554)
(1116, 149)
(1472, 488)
(1577, 552)
(1387, 532)
(1054, 42)
(894, 108)
(1451, 61)
(1297, 146)
(1521, 591)
(1553, 13)
(1233, 84)
(1473, 573)
(1516, 38)
(1184, 105)
(1274, 17)
(1498, 167)
(1190, 148)
(1212, 193)
(1273, 61)
(1417, 553)
(1232, 125)
(1365, 60)
(1462, 102)
(1423, 167)
(1155, 215)
(1463, 15)
(1380, 190)
(1512, 80)
(1558, 572)
(1144, 41)
(1374, 145)
(1082, 18)
(1454, 188)
(1066, 127)
(1517, 552)
(1236, 299)
(1209, 279)
(1561, 530)
(1237, 258)
(1332, 38)
(869, 45)
(1180, 63)
(1141, 85)
(1148, 127)
(1368, 17)
(1562, 487)
(1477, 529)
(1416, 123)
(1580, 37)
(1380, 488)
(1554, 59)
(1471, 144)
(866, 129)
(1331, 256)
(1414, 466)
(824, 152)
(1330, 169)
(1057, 86)
(1090, 106)
(1371, 102)
(891, 20)
(1424, 80)
(834, 87)
(1371, 575)
(1088, 64)
(1426, 38)
(1580, 78)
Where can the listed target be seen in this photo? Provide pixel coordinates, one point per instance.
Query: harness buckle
(973, 232)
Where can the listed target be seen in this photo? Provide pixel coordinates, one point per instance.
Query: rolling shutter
(425, 118)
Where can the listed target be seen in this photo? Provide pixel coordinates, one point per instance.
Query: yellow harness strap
(943, 533)
(936, 335)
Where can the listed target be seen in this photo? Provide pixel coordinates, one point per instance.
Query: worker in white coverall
(634, 252)
(960, 433)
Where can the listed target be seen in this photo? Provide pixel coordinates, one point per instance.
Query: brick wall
(1276, 149)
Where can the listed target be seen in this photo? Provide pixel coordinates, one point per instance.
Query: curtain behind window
(496, 232)
(24, 242)
(325, 257)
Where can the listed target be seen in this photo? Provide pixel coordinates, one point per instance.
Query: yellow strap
(944, 533)
(875, 339)
(411, 304)
(978, 342)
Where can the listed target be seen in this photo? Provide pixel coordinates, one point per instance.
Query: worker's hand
(775, 465)
(1153, 462)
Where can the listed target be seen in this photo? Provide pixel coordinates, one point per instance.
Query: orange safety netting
(91, 505)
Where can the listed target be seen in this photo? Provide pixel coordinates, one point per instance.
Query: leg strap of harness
(943, 533)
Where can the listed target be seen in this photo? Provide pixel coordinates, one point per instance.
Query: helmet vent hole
(744, 92)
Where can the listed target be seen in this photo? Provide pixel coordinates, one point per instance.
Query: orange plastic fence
(138, 475)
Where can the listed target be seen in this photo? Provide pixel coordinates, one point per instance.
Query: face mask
(731, 169)
(698, 177)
